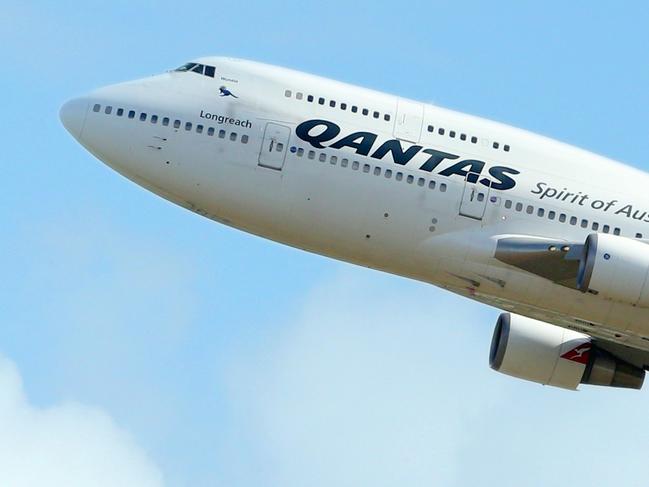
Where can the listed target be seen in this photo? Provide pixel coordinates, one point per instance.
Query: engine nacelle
(616, 268)
(551, 355)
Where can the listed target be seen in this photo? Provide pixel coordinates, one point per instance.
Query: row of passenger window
(166, 122)
(368, 168)
(333, 104)
(420, 181)
(473, 139)
(375, 114)
(562, 218)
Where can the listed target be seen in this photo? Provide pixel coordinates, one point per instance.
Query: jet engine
(551, 355)
(616, 268)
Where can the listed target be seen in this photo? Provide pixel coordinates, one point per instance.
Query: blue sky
(143, 345)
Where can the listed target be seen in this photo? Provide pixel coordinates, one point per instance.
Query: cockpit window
(198, 69)
(186, 67)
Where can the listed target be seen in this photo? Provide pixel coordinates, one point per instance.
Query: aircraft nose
(73, 115)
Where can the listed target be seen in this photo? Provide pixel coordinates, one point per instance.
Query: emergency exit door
(274, 146)
(474, 198)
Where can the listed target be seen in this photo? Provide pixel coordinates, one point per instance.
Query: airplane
(555, 236)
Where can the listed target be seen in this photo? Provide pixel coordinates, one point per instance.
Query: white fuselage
(369, 178)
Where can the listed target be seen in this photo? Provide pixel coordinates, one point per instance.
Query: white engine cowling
(551, 355)
(616, 268)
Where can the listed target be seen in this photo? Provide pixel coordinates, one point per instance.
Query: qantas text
(323, 133)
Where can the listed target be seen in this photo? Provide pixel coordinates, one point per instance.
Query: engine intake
(616, 268)
(551, 355)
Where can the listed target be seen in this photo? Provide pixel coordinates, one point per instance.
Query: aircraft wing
(553, 259)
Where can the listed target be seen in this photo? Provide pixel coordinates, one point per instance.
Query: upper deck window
(198, 68)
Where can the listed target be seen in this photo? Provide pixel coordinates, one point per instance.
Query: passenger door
(274, 146)
(409, 119)
(474, 198)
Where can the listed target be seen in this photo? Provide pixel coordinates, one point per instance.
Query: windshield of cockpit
(203, 69)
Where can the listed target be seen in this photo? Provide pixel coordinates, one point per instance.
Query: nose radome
(73, 115)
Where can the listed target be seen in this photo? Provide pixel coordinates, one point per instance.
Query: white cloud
(68, 445)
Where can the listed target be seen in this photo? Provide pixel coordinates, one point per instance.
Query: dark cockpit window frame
(198, 68)
(185, 67)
